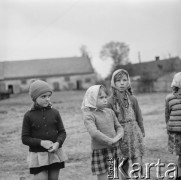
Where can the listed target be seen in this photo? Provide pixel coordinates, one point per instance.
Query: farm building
(73, 73)
(153, 76)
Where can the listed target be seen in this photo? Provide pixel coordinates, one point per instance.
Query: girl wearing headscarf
(173, 119)
(104, 129)
(129, 115)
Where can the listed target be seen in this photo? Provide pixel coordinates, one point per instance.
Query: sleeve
(89, 122)
(139, 117)
(117, 125)
(110, 105)
(61, 131)
(167, 111)
(26, 134)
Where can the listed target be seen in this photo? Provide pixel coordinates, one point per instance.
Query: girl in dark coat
(43, 131)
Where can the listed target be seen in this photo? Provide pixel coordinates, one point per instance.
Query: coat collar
(35, 106)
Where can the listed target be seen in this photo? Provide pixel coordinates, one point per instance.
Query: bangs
(119, 75)
(102, 89)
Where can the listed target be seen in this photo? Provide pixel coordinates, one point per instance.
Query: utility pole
(139, 56)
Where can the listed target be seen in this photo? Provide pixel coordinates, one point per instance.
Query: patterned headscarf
(176, 83)
(90, 97)
(120, 73)
(120, 102)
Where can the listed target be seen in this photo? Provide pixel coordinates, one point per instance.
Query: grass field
(13, 153)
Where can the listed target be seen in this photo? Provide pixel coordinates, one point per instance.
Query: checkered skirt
(101, 157)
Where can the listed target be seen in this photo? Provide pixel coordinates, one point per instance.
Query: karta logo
(116, 168)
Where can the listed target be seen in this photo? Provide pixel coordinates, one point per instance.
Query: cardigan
(102, 125)
(42, 124)
(136, 109)
(173, 113)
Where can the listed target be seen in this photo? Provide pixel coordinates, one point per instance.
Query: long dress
(174, 143)
(132, 143)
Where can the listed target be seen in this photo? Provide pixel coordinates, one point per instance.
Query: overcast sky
(34, 29)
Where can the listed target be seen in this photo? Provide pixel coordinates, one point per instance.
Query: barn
(71, 73)
(153, 76)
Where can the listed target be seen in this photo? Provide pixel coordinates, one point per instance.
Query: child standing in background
(127, 110)
(104, 129)
(43, 131)
(173, 119)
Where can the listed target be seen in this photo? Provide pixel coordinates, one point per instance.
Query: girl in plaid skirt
(104, 129)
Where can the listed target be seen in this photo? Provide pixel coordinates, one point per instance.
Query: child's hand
(143, 134)
(116, 139)
(46, 144)
(119, 136)
(54, 147)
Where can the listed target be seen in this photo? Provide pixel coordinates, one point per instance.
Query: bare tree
(117, 51)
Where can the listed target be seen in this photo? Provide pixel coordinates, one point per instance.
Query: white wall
(63, 85)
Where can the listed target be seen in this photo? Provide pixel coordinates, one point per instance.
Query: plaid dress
(101, 158)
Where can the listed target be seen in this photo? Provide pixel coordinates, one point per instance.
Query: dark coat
(42, 124)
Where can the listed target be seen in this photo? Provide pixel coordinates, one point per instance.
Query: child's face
(102, 99)
(44, 99)
(122, 83)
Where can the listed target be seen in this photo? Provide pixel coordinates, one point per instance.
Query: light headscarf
(176, 83)
(90, 97)
(120, 100)
(176, 80)
(121, 71)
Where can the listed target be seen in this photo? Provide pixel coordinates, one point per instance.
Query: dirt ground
(13, 153)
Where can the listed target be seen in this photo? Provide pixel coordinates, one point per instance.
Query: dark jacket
(42, 124)
(136, 109)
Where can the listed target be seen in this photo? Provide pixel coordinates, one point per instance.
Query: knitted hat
(176, 80)
(37, 88)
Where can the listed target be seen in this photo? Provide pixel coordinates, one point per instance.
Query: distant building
(73, 73)
(153, 76)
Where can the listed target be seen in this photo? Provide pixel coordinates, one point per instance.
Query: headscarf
(176, 83)
(90, 98)
(120, 102)
(120, 72)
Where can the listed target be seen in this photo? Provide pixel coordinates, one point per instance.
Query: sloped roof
(1, 70)
(47, 67)
(154, 69)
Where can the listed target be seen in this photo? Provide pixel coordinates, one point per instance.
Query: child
(104, 129)
(127, 110)
(44, 133)
(173, 119)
